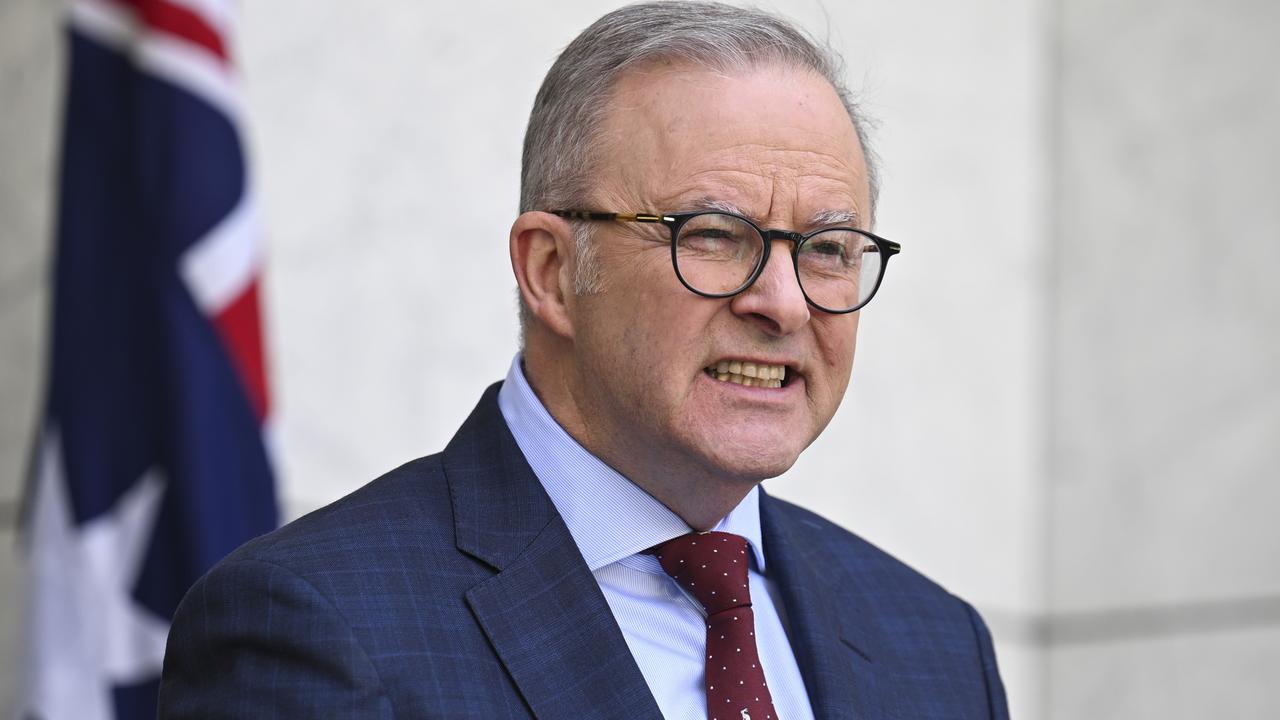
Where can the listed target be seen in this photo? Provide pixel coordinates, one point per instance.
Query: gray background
(1066, 404)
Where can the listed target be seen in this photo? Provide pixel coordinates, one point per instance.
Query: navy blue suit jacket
(450, 587)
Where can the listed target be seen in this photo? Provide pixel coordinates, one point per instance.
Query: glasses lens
(839, 269)
(715, 254)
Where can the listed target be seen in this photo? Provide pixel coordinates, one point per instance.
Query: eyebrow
(818, 219)
(834, 217)
(707, 203)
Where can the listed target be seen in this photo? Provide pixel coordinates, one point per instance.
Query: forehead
(773, 141)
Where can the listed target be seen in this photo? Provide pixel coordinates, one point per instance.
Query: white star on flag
(88, 632)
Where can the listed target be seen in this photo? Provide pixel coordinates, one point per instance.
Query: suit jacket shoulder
(408, 506)
(930, 651)
(850, 555)
(337, 614)
(448, 587)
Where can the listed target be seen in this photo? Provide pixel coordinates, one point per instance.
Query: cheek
(646, 329)
(837, 332)
(837, 340)
(663, 313)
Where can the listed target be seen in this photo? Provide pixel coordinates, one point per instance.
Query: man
(691, 254)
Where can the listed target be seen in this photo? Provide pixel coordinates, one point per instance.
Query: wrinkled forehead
(753, 137)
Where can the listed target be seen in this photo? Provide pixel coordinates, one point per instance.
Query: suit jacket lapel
(835, 651)
(543, 611)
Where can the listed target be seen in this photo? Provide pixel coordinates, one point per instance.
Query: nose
(774, 301)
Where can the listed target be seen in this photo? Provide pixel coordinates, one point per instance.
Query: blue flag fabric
(152, 463)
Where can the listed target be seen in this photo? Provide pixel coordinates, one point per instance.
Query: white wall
(1165, 582)
(987, 438)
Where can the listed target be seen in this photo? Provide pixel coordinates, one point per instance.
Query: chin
(752, 464)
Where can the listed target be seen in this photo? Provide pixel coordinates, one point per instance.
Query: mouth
(750, 374)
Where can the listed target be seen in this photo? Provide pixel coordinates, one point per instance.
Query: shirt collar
(609, 517)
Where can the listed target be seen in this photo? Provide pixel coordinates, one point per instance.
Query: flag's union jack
(151, 464)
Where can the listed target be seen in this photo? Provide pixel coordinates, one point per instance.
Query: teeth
(748, 374)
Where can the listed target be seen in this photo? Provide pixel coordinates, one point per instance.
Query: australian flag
(151, 463)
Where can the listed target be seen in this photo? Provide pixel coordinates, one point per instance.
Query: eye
(833, 251)
(717, 236)
(709, 239)
(827, 247)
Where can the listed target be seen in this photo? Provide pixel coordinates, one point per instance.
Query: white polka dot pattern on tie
(737, 682)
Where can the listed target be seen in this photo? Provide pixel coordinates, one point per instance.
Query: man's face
(777, 145)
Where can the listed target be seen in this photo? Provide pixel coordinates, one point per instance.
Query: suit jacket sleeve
(253, 639)
(999, 706)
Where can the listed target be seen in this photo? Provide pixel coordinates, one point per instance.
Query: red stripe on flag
(240, 326)
(178, 21)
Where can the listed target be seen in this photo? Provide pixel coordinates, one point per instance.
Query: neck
(705, 509)
(698, 495)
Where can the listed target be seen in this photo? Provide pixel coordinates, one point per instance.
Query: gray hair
(557, 165)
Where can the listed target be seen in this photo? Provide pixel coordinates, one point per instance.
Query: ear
(540, 256)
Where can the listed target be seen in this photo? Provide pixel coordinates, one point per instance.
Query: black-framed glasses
(719, 254)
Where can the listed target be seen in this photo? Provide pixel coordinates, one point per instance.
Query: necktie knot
(712, 566)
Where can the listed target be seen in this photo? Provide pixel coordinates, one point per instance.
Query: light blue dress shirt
(613, 522)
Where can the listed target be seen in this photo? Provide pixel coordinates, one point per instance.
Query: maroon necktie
(712, 566)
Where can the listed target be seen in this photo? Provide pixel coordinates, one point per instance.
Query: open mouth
(749, 373)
